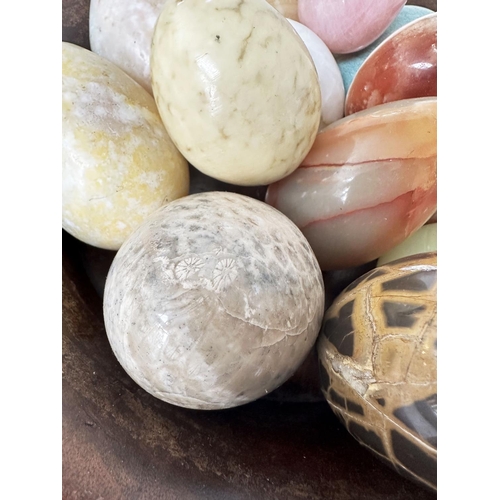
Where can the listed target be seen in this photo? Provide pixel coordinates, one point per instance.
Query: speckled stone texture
(240, 95)
(121, 31)
(118, 162)
(214, 301)
(402, 66)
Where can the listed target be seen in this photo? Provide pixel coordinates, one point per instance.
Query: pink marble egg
(367, 184)
(402, 66)
(348, 25)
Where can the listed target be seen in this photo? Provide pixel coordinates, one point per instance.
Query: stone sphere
(214, 301)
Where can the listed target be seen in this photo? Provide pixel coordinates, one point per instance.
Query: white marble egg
(330, 77)
(121, 31)
(214, 301)
(118, 162)
(236, 88)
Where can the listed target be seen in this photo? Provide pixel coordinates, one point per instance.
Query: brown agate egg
(377, 354)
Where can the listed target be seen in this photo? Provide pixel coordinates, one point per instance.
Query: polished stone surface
(121, 31)
(348, 26)
(178, 453)
(349, 64)
(368, 182)
(421, 241)
(402, 66)
(214, 301)
(240, 96)
(378, 362)
(330, 78)
(118, 162)
(288, 8)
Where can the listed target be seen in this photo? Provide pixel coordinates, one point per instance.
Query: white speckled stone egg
(118, 162)
(214, 301)
(121, 31)
(236, 88)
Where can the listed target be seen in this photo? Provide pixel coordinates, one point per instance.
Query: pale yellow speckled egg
(236, 88)
(118, 162)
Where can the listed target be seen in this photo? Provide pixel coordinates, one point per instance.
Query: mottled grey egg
(214, 301)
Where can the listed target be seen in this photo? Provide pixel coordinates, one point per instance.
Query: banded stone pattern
(377, 355)
(367, 184)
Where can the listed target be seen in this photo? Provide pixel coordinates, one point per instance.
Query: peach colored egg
(368, 183)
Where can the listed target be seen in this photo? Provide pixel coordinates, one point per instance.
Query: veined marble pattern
(240, 95)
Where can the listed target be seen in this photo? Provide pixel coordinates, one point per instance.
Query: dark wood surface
(118, 442)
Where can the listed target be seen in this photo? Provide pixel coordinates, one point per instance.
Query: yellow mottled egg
(118, 162)
(236, 88)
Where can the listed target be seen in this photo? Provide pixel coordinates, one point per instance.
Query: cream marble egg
(236, 88)
(118, 162)
(214, 301)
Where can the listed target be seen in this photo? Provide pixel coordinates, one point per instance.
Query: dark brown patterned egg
(377, 352)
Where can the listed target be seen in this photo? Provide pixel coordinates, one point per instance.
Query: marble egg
(368, 183)
(423, 240)
(121, 31)
(118, 162)
(377, 354)
(287, 8)
(330, 78)
(214, 301)
(348, 25)
(349, 64)
(402, 66)
(236, 88)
